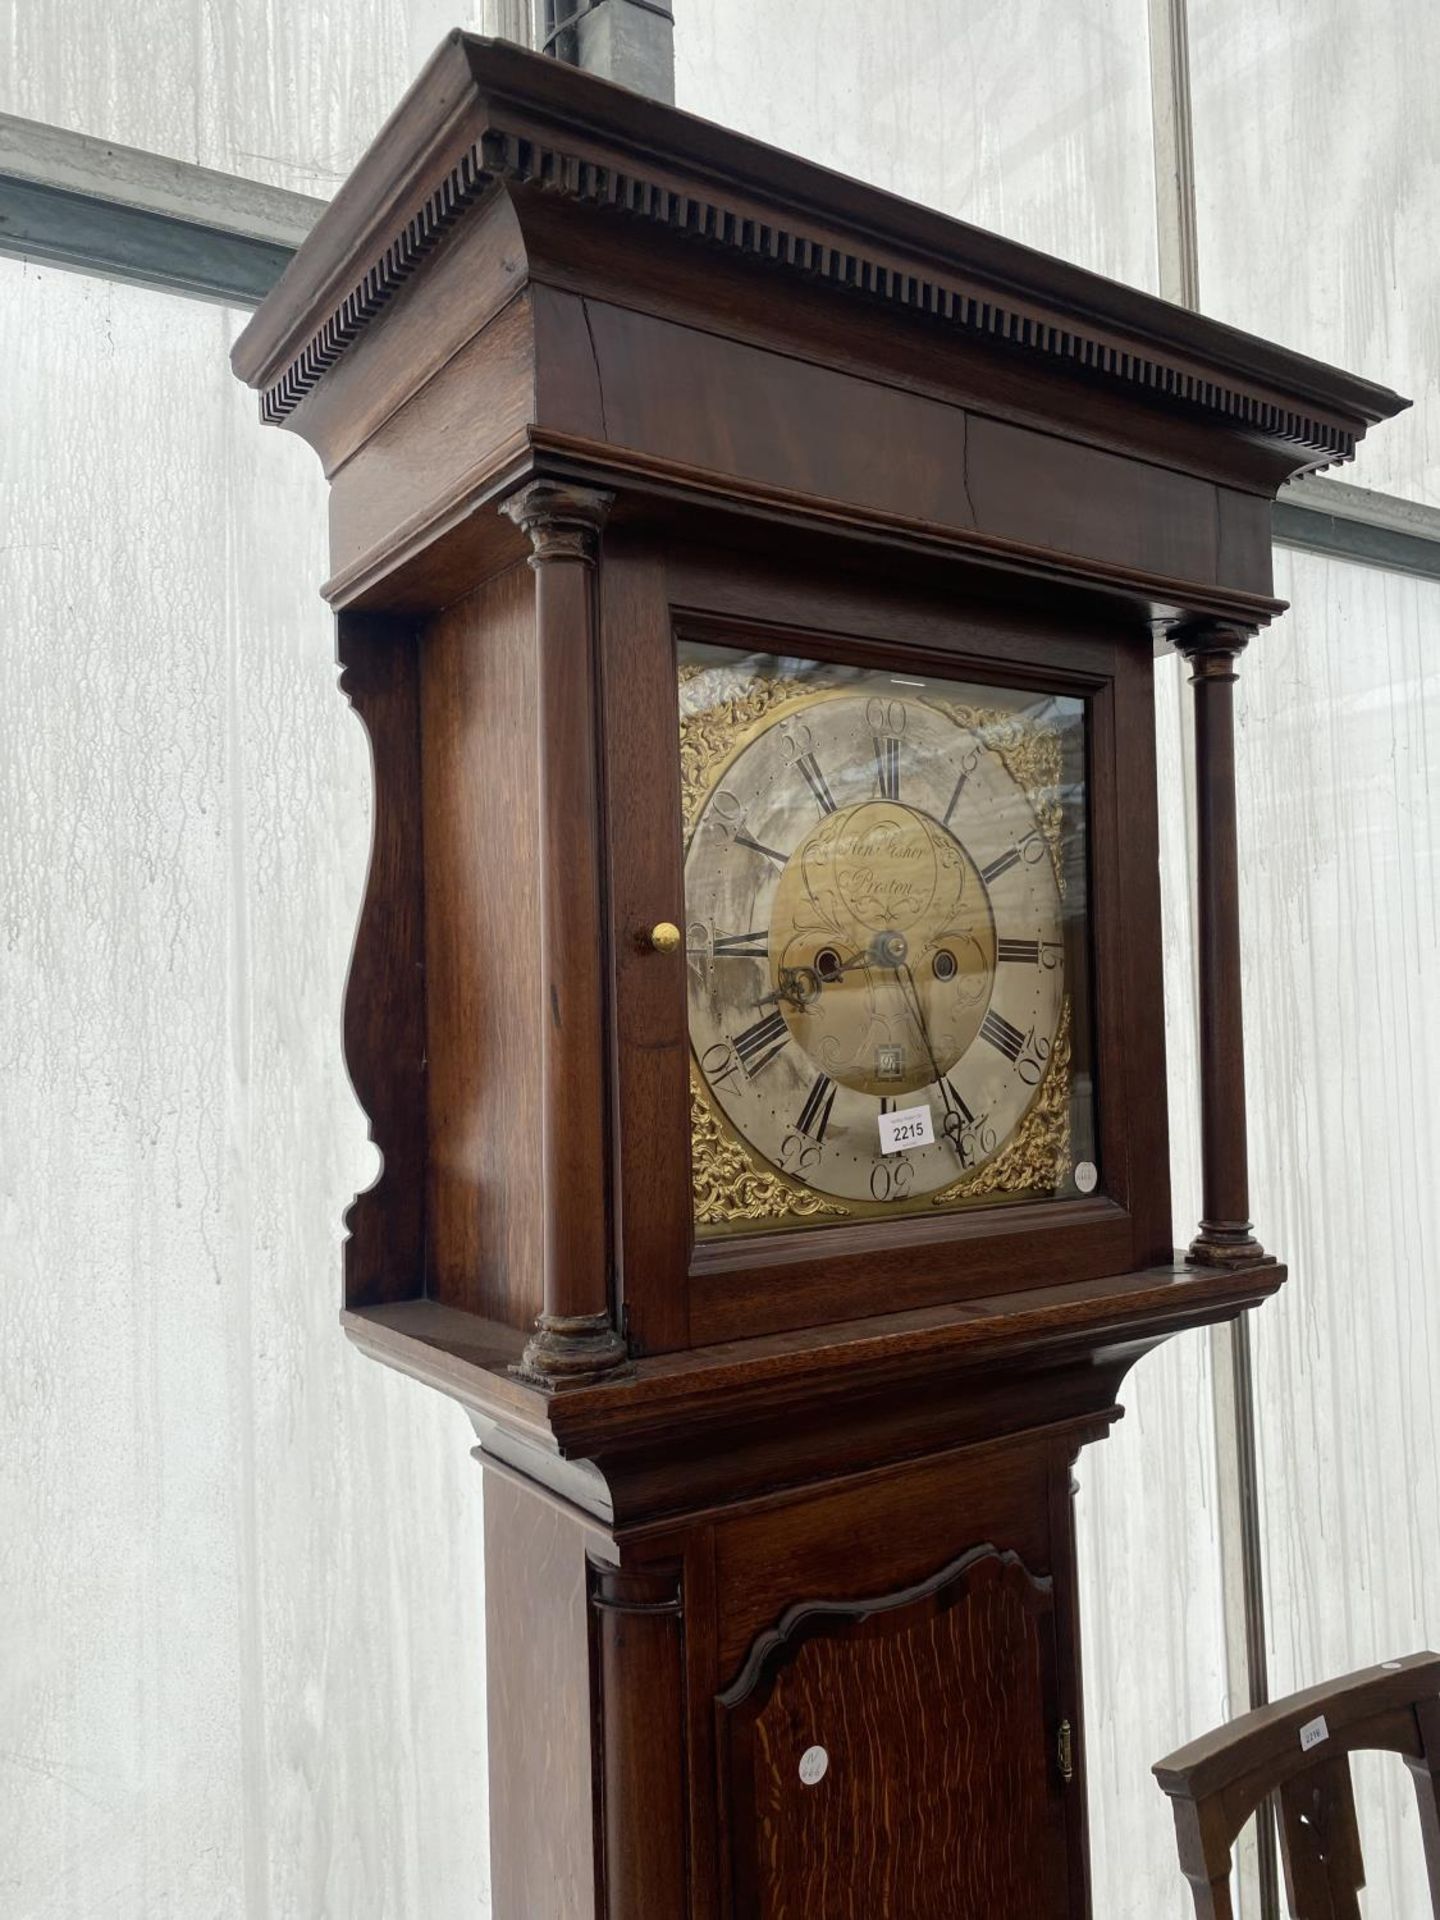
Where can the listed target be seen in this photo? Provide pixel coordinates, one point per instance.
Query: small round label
(1086, 1176)
(814, 1763)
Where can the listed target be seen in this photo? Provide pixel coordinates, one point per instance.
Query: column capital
(561, 522)
(1212, 646)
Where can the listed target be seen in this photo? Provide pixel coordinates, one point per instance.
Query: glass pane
(1023, 116)
(886, 938)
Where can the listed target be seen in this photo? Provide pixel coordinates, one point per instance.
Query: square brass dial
(886, 941)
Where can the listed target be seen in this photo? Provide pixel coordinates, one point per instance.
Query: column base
(1226, 1243)
(571, 1350)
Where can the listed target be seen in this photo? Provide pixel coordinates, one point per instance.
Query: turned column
(1212, 648)
(574, 1337)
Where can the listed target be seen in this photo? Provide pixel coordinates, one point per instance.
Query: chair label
(1313, 1732)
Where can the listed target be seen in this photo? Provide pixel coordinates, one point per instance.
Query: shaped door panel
(897, 1756)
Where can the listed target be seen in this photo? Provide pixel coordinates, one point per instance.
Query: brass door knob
(664, 937)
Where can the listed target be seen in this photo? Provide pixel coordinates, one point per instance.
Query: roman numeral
(955, 1102)
(998, 1031)
(815, 1114)
(743, 946)
(1008, 859)
(758, 1045)
(960, 785)
(744, 840)
(1023, 953)
(815, 780)
(887, 766)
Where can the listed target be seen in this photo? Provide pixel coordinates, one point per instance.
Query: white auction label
(1313, 1732)
(910, 1127)
(813, 1765)
(1086, 1176)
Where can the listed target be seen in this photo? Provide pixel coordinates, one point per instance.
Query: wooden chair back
(1299, 1750)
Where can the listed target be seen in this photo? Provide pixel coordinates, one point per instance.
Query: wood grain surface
(481, 830)
(543, 1853)
(936, 1714)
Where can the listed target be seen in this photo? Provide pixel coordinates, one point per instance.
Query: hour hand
(799, 986)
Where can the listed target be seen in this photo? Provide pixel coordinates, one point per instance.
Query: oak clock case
(885, 934)
(720, 544)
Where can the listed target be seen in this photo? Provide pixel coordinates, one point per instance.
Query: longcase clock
(750, 584)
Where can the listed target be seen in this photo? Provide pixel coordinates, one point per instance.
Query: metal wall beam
(1354, 523)
(99, 208)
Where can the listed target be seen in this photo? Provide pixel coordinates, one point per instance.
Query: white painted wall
(240, 1571)
(1317, 158)
(1340, 763)
(241, 1637)
(1031, 117)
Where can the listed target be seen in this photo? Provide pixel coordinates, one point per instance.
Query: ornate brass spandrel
(732, 1183)
(1037, 1157)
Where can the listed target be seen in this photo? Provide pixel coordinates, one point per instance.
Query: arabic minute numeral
(1031, 1065)
(719, 1064)
(798, 1155)
(891, 1180)
(978, 1145)
(1029, 953)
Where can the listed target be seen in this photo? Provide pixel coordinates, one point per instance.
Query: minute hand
(919, 1018)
